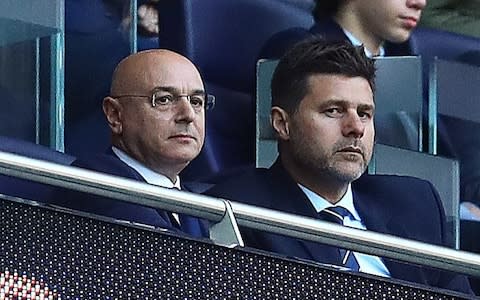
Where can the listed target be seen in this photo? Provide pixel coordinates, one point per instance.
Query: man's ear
(113, 111)
(280, 122)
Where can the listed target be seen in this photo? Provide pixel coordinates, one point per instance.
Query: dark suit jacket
(330, 30)
(109, 163)
(402, 206)
(278, 44)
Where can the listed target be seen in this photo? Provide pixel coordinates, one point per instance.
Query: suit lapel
(126, 171)
(373, 211)
(329, 29)
(194, 226)
(131, 173)
(377, 213)
(288, 197)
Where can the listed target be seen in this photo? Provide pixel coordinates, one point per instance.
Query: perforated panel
(86, 258)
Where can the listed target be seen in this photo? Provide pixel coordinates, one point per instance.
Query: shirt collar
(357, 42)
(147, 174)
(320, 203)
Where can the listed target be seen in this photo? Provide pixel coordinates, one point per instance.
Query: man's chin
(400, 36)
(349, 173)
(184, 157)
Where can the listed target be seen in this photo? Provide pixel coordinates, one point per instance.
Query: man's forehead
(177, 90)
(151, 70)
(153, 54)
(156, 59)
(341, 88)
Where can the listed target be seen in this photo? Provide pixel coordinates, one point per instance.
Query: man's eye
(196, 101)
(333, 112)
(163, 99)
(365, 115)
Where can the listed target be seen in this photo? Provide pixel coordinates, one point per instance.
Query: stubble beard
(330, 165)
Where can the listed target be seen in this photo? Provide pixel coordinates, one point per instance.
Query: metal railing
(217, 210)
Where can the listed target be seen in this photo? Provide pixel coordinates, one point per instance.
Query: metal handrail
(246, 215)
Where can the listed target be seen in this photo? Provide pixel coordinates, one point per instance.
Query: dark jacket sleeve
(109, 207)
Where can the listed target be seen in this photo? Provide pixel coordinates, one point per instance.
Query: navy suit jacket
(279, 43)
(109, 163)
(383, 202)
(330, 30)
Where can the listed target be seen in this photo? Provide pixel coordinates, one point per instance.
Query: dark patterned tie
(186, 223)
(173, 220)
(336, 214)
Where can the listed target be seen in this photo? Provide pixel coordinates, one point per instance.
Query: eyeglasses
(164, 100)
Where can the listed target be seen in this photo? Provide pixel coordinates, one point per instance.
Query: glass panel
(455, 92)
(442, 172)
(133, 29)
(265, 141)
(98, 35)
(458, 90)
(31, 70)
(398, 100)
(97, 38)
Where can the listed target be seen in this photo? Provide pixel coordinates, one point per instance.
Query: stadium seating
(430, 43)
(13, 186)
(94, 44)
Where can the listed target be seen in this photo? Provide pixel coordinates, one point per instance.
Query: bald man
(156, 113)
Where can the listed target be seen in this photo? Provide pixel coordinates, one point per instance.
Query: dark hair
(316, 56)
(326, 8)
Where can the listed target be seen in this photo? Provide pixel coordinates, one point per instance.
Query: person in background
(147, 16)
(322, 113)
(375, 24)
(381, 26)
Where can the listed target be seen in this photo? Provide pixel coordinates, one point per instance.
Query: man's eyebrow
(174, 90)
(346, 103)
(334, 102)
(366, 107)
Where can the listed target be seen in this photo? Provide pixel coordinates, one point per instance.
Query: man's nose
(184, 110)
(353, 125)
(417, 4)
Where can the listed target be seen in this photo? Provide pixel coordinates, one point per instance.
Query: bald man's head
(130, 74)
(164, 136)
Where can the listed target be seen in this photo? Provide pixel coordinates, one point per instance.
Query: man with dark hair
(384, 28)
(322, 113)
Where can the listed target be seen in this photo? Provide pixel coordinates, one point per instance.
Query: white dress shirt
(357, 42)
(368, 263)
(147, 174)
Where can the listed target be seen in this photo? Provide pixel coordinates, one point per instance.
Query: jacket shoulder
(390, 181)
(240, 187)
(109, 164)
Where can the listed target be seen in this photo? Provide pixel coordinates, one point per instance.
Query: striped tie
(335, 214)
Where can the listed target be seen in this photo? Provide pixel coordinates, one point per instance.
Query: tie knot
(334, 214)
